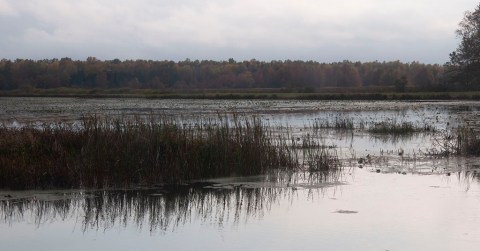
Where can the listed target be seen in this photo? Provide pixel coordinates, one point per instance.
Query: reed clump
(463, 140)
(120, 152)
(468, 141)
(340, 123)
(399, 128)
(319, 158)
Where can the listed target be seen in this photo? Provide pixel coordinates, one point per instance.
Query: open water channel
(394, 192)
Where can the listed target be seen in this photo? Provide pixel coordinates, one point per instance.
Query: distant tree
(424, 79)
(6, 73)
(464, 65)
(401, 84)
(348, 75)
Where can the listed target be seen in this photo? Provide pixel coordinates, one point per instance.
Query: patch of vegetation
(248, 93)
(127, 152)
(398, 128)
(339, 123)
(317, 157)
(462, 140)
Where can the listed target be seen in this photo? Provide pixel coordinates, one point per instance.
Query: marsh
(395, 191)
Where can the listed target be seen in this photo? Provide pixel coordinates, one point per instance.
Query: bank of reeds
(126, 152)
(468, 141)
(317, 157)
(463, 140)
(340, 123)
(399, 128)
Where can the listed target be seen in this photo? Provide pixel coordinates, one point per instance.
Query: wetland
(334, 175)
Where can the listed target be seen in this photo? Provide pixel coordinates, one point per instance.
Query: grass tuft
(399, 128)
(462, 140)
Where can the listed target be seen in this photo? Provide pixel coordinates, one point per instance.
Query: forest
(461, 73)
(306, 76)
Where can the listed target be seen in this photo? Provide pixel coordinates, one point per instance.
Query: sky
(319, 30)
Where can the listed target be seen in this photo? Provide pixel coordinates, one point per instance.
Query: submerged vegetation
(144, 151)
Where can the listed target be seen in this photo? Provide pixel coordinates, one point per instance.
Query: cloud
(218, 29)
(6, 9)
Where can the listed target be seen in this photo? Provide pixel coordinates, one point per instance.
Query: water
(370, 211)
(397, 202)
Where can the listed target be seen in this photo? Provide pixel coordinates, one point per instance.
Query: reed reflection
(163, 208)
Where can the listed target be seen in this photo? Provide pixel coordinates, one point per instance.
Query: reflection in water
(467, 177)
(163, 208)
(219, 202)
(381, 207)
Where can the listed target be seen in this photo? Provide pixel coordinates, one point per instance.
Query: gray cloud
(407, 30)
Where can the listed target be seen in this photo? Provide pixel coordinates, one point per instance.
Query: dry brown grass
(155, 150)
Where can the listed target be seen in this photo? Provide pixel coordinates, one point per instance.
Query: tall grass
(125, 152)
(468, 141)
(399, 128)
(463, 140)
(317, 157)
(341, 123)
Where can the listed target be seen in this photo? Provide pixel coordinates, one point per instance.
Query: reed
(340, 123)
(399, 128)
(462, 140)
(468, 141)
(121, 152)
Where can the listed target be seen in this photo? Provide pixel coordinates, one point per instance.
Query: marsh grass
(399, 128)
(463, 140)
(340, 123)
(389, 126)
(123, 152)
(468, 141)
(317, 157)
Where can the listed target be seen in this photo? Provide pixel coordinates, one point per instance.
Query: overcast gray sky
(320, 30)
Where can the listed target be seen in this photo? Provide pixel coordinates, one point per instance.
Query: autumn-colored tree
(206, 74)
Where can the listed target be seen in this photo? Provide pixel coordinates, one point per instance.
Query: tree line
(462, 72)
(207, 74)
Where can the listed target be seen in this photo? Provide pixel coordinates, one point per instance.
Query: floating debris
(345, 212)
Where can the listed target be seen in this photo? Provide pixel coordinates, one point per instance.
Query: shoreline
(234, 95)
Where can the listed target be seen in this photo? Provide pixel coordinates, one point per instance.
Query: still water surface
(370, 211)
(407, 202)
